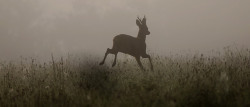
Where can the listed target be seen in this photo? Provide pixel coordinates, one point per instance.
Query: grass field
(178, 80)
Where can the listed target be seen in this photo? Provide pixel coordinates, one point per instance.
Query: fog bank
(42, 27)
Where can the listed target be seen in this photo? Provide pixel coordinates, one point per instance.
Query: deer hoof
(101, 63)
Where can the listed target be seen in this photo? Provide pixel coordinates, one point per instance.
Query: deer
(134, 46)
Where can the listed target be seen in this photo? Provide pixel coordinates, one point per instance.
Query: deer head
(143, 29)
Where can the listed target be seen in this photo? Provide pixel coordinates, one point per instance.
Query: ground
(178, 80)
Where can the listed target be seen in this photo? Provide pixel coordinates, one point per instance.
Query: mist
(42, 27)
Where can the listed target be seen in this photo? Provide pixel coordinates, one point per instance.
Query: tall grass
(178, 80)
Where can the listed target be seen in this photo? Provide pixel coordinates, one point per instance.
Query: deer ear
(144, 20)
(138, 23)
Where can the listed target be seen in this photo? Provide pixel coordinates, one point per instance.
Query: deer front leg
(139, 62)
(148, 56)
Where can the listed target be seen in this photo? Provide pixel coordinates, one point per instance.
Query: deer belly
(130, 48)
(126, 48)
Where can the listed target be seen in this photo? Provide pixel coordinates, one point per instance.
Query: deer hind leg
(139, 62)
(114, 59)
(148, 56)
(112, 51)
(105, 56)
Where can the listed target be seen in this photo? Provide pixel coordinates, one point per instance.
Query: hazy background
(41, 27)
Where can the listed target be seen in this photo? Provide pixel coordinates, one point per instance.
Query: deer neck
(141, 36)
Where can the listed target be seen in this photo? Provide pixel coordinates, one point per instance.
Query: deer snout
(148, 32)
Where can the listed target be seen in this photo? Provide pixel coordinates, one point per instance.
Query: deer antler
(139, 18)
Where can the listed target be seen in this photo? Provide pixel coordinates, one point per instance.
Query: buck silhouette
(134, 46)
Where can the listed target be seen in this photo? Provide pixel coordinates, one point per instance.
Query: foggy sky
(42, 27)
